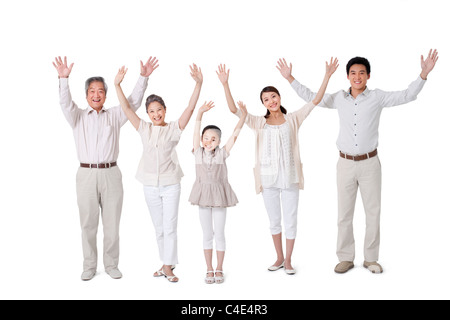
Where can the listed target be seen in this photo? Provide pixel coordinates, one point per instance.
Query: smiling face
(358, 77)
(210, 139)
(272, 101)
(157, 113)
(96, 95)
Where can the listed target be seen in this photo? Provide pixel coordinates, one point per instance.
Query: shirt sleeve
(395, 98)
(176, 130)
(69, 108)
(307, 95)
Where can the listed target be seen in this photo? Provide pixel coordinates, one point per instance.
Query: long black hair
(271, 89)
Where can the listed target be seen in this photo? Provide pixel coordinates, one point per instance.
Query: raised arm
(69, 108)
(196, 74)
(237, 129)
(329, 70)
(428, 64)
(198, 123)
(125, 105)
(223, 77)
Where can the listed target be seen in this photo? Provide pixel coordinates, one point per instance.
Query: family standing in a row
(278, 168)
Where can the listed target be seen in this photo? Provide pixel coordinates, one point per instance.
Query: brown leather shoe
(343, 266)
(373, 267)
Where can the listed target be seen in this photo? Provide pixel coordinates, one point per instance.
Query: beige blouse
(294, 119)
(159, 164)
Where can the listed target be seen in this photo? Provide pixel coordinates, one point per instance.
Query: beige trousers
(100, 191)
(365, 175)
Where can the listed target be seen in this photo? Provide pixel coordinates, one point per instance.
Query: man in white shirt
(359, 111)
(99, 180)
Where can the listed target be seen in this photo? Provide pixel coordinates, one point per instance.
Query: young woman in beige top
(159, 170)
(278, 168)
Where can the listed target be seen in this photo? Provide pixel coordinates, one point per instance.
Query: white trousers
(100, 191)
(274, 200)
(163, 202)
(212, 221)
(365, 175)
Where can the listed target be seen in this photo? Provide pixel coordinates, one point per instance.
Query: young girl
(159, 170)
(211, 190)
(278, 169)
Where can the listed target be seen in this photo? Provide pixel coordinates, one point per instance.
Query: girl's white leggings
(212, 221)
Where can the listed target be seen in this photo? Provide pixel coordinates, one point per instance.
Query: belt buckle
(107, 165)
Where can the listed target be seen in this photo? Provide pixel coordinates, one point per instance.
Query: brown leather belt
(359, 157)
(99, 166)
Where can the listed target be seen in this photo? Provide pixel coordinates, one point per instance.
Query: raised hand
(63, 69)
(149, 66)
(429, 63)
(196, 73)
(206, 107)
(243, 108)
(222, 74)
(285, 70)
(120, 75)
(331, 68)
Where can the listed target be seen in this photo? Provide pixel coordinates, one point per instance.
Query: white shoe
(219, 279)
(114, 273)
(208, 279)
(275, 268)
(87, 275)
(289, 271)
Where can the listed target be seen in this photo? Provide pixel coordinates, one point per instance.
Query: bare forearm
(125, 105)
(322, 90)
(229, 97)
(235, 135)
(187, 114)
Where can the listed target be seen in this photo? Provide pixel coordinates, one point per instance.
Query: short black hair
(213, 127)
(358, 60)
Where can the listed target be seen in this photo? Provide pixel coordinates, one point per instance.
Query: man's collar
(365, 92)
(90, 109)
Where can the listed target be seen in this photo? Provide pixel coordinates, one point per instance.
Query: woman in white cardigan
(278, 167)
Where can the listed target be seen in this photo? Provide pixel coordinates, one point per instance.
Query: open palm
(61, 66)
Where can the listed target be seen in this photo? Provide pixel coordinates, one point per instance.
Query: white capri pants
(162, 202)
(212, 221)
(274, 199)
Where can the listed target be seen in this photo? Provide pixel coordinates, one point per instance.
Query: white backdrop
(40, 238)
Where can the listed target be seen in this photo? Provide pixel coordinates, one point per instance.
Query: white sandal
(208, 279)
(219, 279)
(160, 273)
(173, 278)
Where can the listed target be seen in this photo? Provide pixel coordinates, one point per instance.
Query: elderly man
(99, 181)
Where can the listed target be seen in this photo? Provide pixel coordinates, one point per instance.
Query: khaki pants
(100, 191)
(365, 175)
